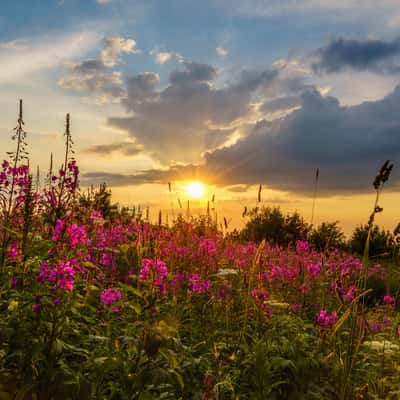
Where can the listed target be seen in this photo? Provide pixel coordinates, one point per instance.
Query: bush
(327, 236)
(379, 243)
(275, 227)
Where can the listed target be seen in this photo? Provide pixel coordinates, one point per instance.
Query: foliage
(379, 241)
(327, 236)
(272, 225)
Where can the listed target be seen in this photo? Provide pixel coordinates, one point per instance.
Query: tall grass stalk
(315, 195)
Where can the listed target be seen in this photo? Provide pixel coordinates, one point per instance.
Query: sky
(231, 93)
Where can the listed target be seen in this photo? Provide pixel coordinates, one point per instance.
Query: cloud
(141, 88)
(44, 53)
(125, 148)
(89, 66)
(17, 45)
(281, 104)
(104, 83)
(103, 1)
(161, 57)
(116, 179)
(347, 144)
(238, 188)
(374, 55)
(221, 51)
(94, 75)
(113, 47)
(194, 72)
(189, 116)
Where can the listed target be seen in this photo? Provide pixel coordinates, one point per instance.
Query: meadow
(99, 303)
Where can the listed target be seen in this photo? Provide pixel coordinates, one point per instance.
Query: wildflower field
(98, 303)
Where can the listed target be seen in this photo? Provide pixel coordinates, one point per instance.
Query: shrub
(379, 244)
(272, 225)
(327, 236)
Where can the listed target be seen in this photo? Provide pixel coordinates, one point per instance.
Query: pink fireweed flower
(156, 271)
(376, 327)
(314, 269)
(325, 319)
(388, 299)
(106, 259)
(62, 275)
(208, 246)
(259, 297)
(36, 308)
(110, 296)
(224, 293)
(198, 285)
(96, 214)
(295, 308)
(58, 229)
(77, 235)
(12, 251)
(398, 330)
(302, 246)
(349, 293)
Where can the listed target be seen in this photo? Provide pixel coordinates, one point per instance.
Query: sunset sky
(231, 93)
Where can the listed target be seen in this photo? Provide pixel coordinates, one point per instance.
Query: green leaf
(135, 307)
(131, 289)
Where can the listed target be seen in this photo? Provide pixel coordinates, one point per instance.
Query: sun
(195, 189)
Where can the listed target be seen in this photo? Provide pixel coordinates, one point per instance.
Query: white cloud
(92, 82)
(44, 53)
(115, 46)
(161, 57)
(103, 1)
(221, 51)
(17, 44)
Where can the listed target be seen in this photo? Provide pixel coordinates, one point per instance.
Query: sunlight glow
(195, 189)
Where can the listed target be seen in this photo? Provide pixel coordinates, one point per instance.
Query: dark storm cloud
(347, 144)
(189, 116)
(238, 188)
(89, 66)
(125, 148)
(194, 72)
(281, 104)
(141, 177)
(374, 55)
(140, 88)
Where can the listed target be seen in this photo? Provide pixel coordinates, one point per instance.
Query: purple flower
(325, 319)
(350, 293)
(388, 299)
(13, 252)
(314, 269)
(302, 246)
(36, 308)
(110, 296)
(62, 274)
(13, 282)
(58, 230)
